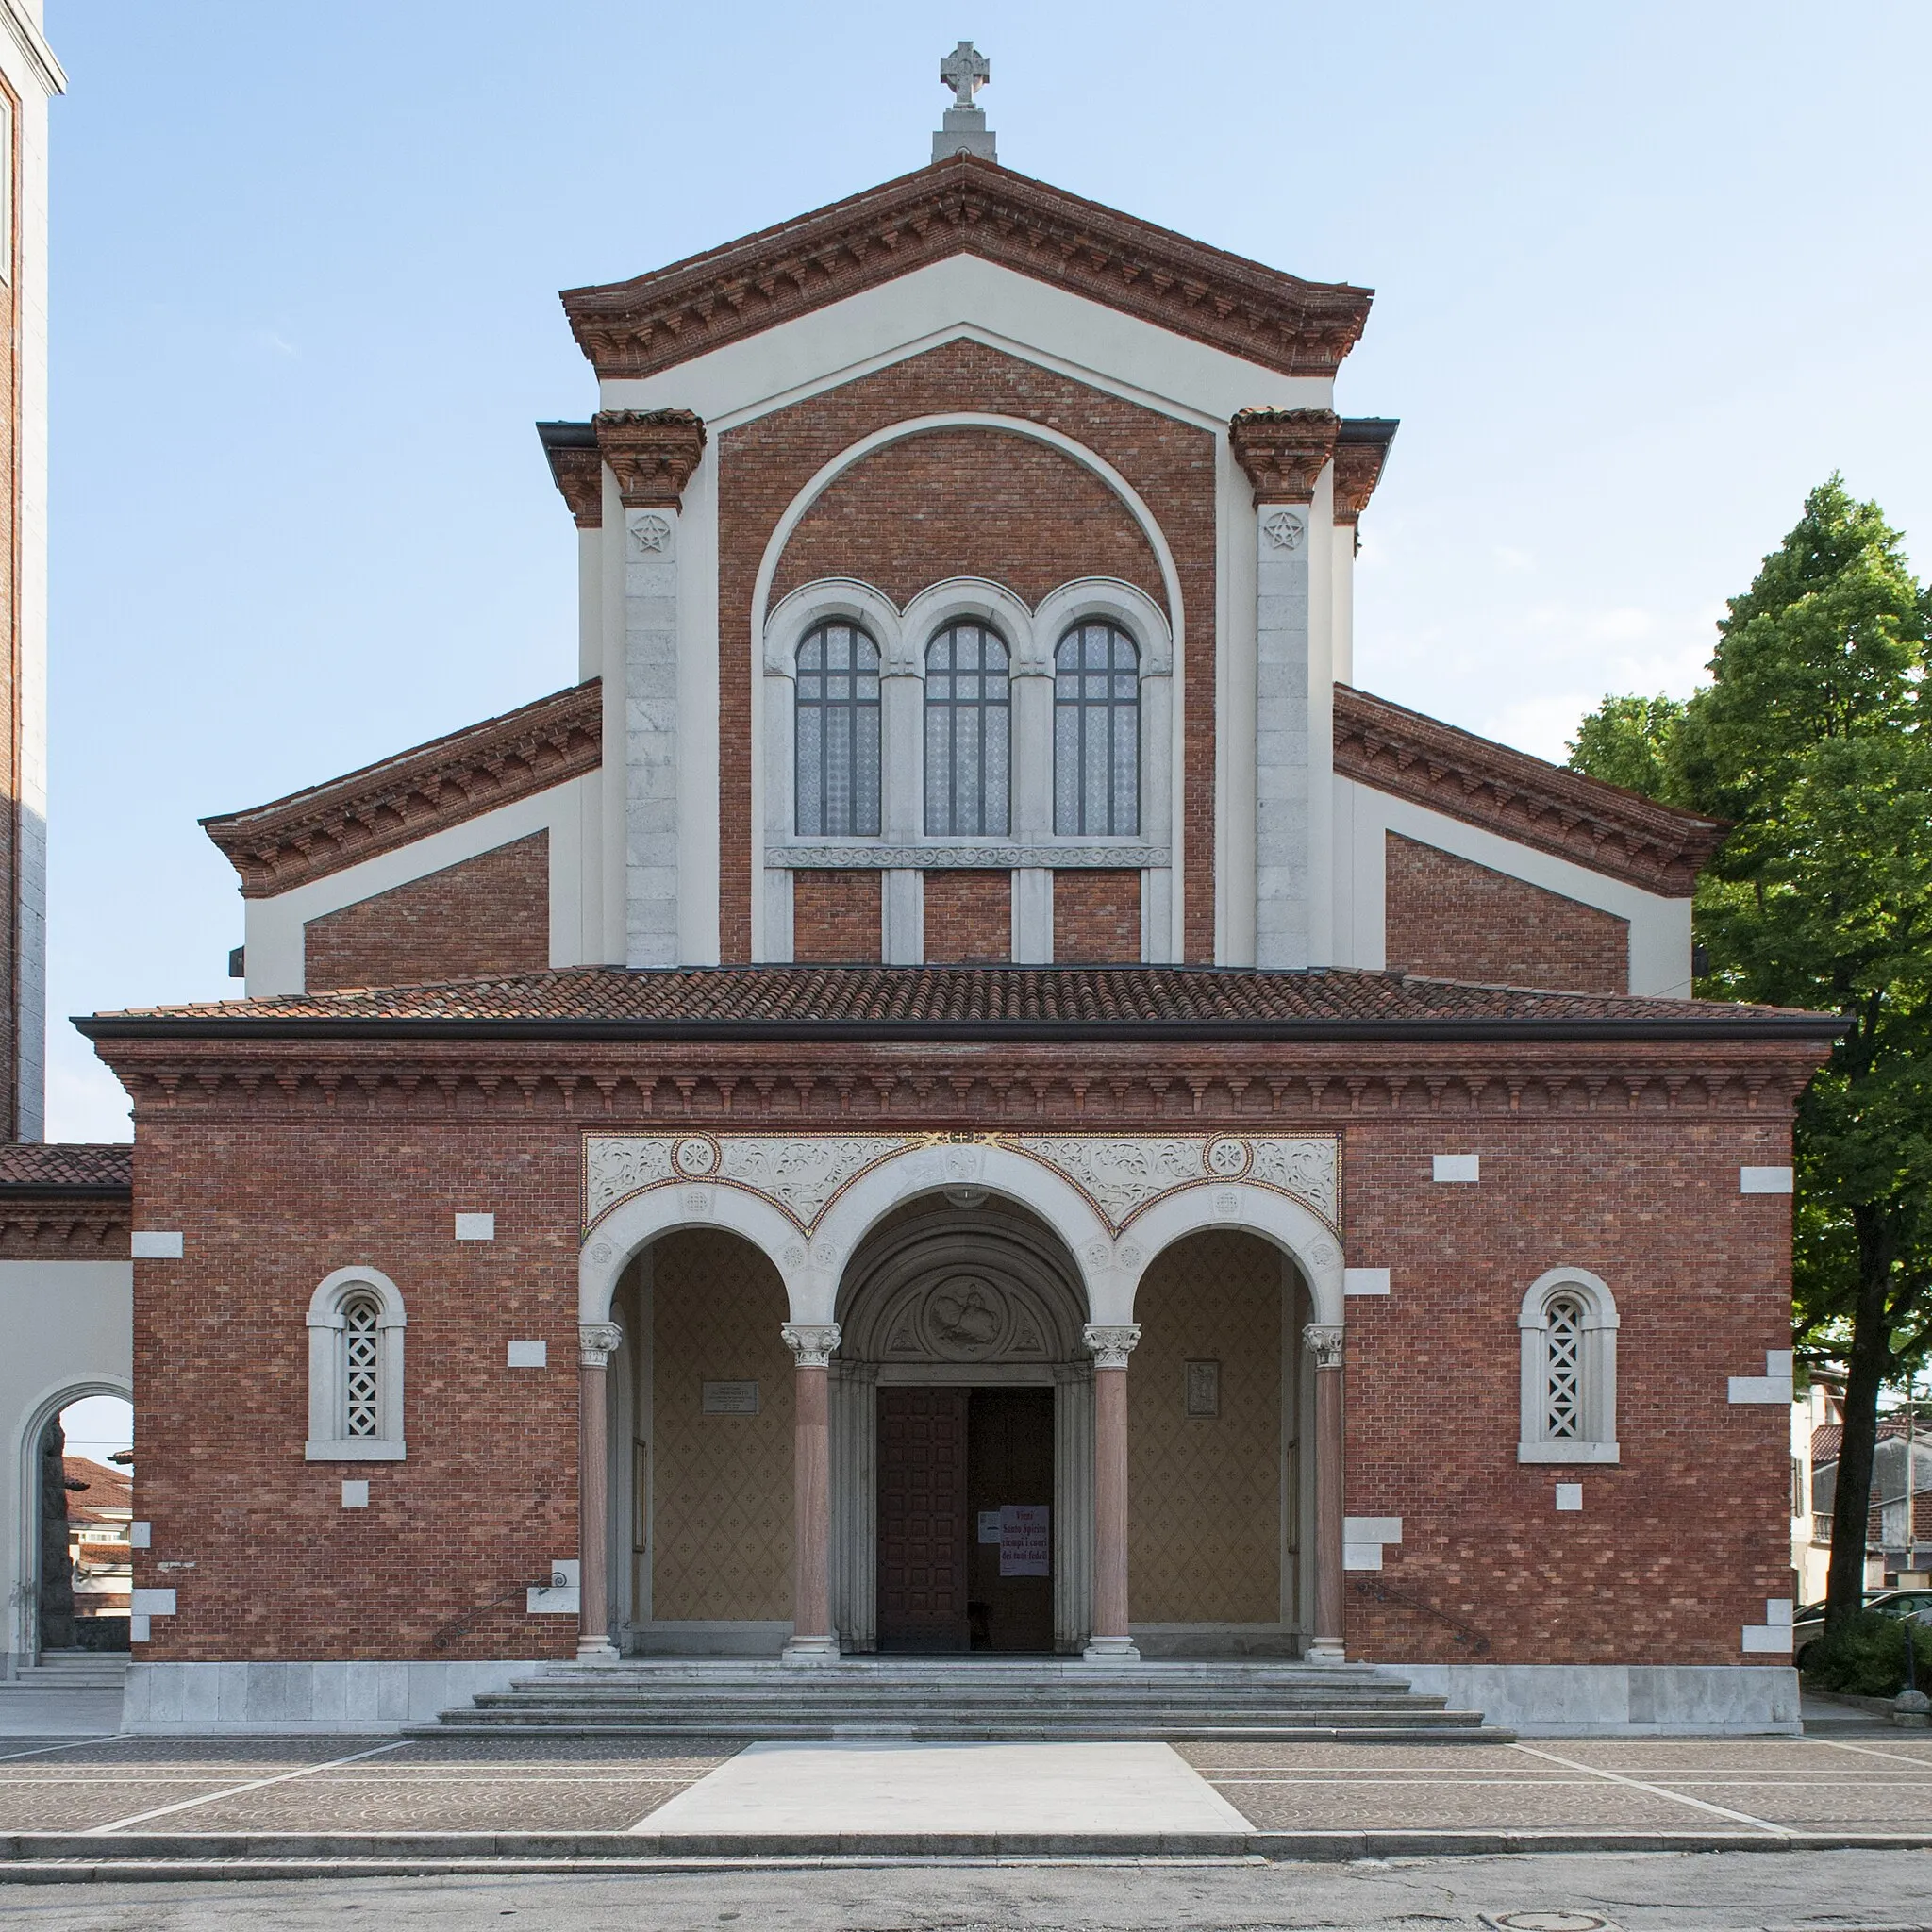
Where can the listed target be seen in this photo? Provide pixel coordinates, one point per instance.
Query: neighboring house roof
(66, 1168)
(100, 1488)
(966, 206)
(311, 834)
(880, 1003)
(1603, 827)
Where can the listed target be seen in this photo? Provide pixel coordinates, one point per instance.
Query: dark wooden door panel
(922, 1519)
(1010, 1434)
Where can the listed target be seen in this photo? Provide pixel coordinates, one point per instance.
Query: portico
(956, 1262)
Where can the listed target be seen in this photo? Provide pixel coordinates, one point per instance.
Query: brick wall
(1678, 1545)
(1450, 919)
(969, 916)
(836, 917)
(1096, 918)
(487, 915)
(763, 465)
(968, 503)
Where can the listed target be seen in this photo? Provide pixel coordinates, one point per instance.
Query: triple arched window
(967, 732)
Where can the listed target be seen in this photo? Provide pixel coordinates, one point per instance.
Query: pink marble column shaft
(1112, 1640)
(812, 1635)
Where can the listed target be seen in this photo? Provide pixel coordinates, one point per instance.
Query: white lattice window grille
(1568, 1326)
(356, 1325)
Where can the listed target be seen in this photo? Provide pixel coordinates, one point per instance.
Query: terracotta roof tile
(98, 1167)
(880, 1001)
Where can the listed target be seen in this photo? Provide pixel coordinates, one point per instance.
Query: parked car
(1809, 1626)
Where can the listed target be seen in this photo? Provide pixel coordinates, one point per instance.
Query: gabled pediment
(967, 205)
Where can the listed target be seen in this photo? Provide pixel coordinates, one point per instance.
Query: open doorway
(84, 1576)
(965, 1532)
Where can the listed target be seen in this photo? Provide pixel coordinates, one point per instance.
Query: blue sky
(1644, 274)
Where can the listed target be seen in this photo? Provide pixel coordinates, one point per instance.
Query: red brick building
(965, 1011)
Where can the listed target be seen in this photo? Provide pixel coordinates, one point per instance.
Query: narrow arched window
(837, 727)
(1096, 732)
(968, 732)
(355, 1326)
(1568, 1325)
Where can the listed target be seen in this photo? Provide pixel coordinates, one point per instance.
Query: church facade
(964, 1089)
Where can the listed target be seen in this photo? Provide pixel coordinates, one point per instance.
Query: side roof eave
(966, 205)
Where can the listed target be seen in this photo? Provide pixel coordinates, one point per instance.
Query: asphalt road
(1844, 1892)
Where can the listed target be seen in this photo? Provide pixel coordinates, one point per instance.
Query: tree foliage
(1812, 739)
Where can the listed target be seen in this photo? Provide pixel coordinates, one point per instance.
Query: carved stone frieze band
(651, 454)
(1283, 451)
(1121, 1175)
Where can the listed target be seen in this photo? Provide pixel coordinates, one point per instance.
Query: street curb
(67, 1858)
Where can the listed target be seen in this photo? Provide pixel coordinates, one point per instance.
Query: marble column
(1323, 1341)
(1112, 1640)
(596, 1342)
(813, 1640)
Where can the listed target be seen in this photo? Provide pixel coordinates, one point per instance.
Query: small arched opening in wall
(701, 1435)
(963, 1433)
(75, 1456)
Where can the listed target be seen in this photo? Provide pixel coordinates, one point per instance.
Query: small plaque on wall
(731, 1398)
(1204, 1389)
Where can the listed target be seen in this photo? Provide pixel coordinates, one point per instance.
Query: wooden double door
(965, 1499)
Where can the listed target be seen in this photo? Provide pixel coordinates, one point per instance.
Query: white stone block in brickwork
(1772, 1638)
(153, 1602)
(1569, 1495)
(530, 1354)
(156, 1244)
(1365, 1281)
(475, 1228)
(137, 1630)
(1361, 1556)
(356, 1493)
(562, 1597)
(1764, 1180)
(1458, 1167)
(138, 1534)
(1773, 1387)
(1372, 1529)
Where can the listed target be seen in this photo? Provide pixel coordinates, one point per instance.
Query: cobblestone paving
(1608, 1784)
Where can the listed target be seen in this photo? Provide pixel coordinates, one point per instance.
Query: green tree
(1812, 739)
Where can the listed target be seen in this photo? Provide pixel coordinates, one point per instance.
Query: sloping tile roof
(965, 205)
(97, 1167)
(311, 834)
(879, 1002)
(1600, 826)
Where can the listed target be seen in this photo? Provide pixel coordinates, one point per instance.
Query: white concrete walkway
(951, 1788)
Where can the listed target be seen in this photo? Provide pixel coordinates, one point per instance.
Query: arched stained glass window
(1096, 732)
(837, 722)
(968, 733)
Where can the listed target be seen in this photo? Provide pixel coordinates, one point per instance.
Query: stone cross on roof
(965, 71)
(964, 130)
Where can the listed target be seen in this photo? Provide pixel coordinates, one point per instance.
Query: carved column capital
(1112, 1346)
(597, 1342)
(811, 1342)
(1324, 1339)
(1283, 451)
(651, 453)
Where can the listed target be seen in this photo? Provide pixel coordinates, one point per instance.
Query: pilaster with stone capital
(1323, 1340)
(811, 1342)
(1283, 451)
(1111, 1346)
(597, 1342)
(651, 453)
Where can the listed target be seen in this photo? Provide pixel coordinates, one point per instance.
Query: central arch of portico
(1096, 1210)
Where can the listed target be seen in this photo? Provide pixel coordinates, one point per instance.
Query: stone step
(1464, 1728)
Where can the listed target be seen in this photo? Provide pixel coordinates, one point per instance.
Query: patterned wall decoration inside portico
(1120, 1177)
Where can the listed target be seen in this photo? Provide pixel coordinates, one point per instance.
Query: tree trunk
(1866, 1369)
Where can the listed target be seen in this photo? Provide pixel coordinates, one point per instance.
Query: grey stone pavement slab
(1847, 1892)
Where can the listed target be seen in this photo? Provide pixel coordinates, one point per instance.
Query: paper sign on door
(1023, 1540)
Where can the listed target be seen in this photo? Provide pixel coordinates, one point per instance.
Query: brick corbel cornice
(313, 833)
(577, 467)
(651, 453)
(1600, 826)
(1361, 451)
(1283, 451)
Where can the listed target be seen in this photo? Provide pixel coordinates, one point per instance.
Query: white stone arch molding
(625, 1229)
(1001, 1171)
(327, 1441)
(1238, 1207)
(1120, 603)
(977, 600)
(827, 475)
(1595, 1440)
(824, 600)
(27, 1568)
